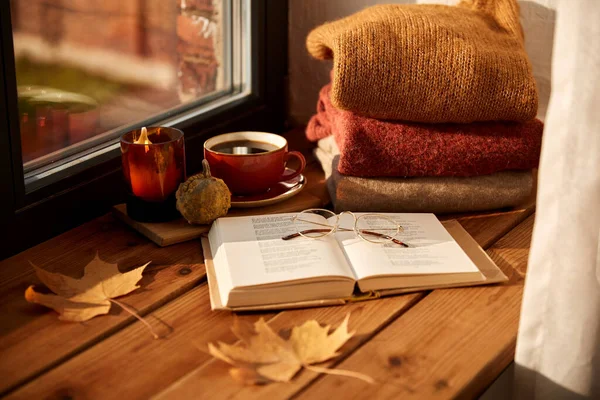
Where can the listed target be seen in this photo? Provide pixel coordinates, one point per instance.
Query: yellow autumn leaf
(84, 298)
(312, 343)
(262, 355)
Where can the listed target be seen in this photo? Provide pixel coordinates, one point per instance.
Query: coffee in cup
(244, 147)
(250, 162)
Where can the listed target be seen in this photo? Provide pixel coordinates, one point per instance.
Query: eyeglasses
(374, 228)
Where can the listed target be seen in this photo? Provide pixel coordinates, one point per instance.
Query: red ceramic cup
(248, 174)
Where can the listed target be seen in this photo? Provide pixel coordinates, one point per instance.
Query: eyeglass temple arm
(295, 235)
(308, 231)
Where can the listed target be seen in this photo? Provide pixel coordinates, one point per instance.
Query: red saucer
(276, 193)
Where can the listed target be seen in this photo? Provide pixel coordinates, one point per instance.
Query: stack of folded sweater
(431, 108)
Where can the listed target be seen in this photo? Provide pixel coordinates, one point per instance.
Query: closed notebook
(249, 266)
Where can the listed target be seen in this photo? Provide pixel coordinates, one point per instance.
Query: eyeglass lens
(376, 228)
(313, 223)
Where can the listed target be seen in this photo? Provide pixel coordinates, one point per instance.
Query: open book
(249, 266)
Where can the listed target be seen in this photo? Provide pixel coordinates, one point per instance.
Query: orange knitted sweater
(430, 63)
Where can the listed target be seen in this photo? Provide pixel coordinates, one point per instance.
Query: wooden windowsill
(442, 343)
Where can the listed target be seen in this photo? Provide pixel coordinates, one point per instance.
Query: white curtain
(558, 346)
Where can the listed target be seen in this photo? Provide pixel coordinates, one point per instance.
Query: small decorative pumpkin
(202, 198)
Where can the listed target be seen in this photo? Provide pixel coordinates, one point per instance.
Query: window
(87, 70)
(78, 74)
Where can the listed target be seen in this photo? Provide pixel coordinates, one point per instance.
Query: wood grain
(501, 221)
(135, 364)
(453, 343)
(365, 318)
(148, 366)
(143, 374)
(214, 372)
(373, 317)
(496, 224)
(33, 340)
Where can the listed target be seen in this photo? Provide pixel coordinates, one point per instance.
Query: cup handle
(299, 156)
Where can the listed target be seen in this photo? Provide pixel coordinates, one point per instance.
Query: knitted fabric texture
(370, 147)
(427, 194)
(430, 63)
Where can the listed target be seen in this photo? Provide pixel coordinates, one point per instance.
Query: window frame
(85, 193)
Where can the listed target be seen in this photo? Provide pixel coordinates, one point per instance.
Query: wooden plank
(453, 343)
(502, 222)
(146, 366)
(366, 319)
(146, 371)
(34, 340)
(132, 363)
(214, 373)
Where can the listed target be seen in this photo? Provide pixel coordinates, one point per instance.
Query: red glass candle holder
(153, 171)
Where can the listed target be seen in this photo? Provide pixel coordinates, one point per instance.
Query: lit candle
(153, 166)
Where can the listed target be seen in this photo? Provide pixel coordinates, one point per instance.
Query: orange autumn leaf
(263, 356)
(84, 298)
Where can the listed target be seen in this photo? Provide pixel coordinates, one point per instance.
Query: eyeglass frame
(336, 228)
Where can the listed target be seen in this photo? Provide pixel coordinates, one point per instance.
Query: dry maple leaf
(82, 299)
(262, 355)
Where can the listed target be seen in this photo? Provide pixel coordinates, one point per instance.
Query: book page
(255, 253)
(432, 249)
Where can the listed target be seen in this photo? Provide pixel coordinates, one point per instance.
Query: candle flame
(143, 139)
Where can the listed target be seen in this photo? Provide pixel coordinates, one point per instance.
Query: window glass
(88, 69)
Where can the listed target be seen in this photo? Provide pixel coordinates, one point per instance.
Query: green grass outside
(66, 78)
